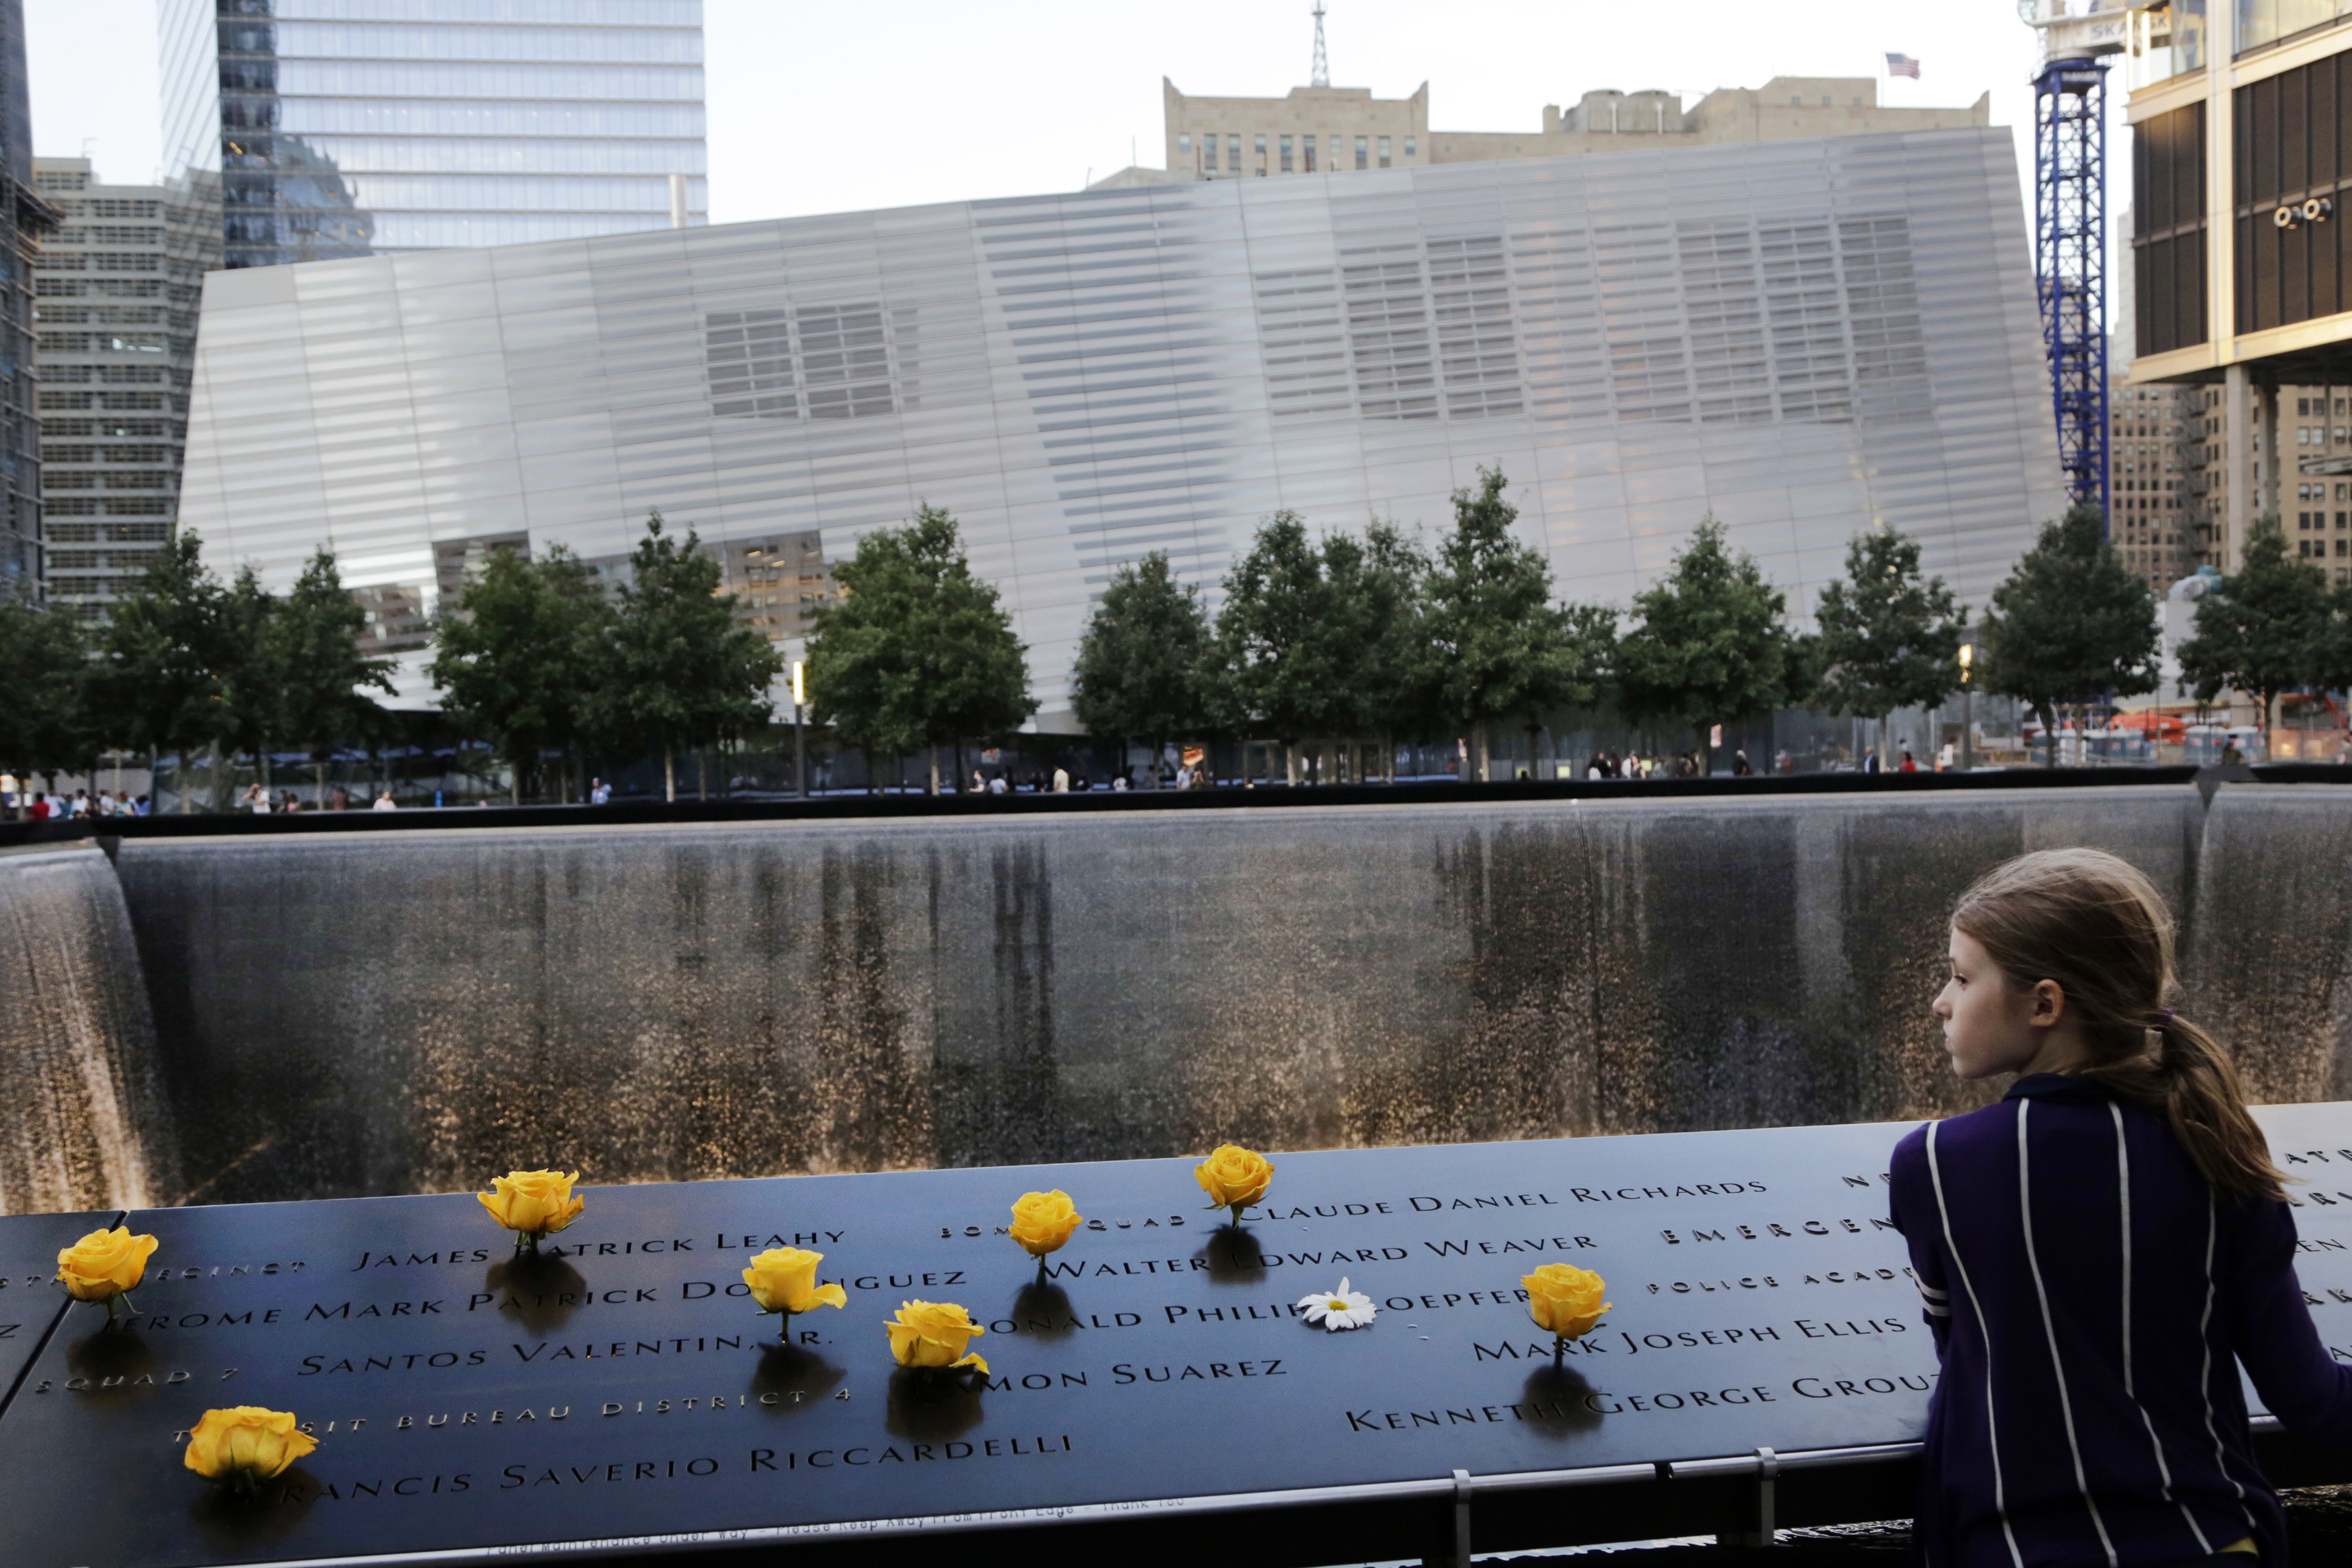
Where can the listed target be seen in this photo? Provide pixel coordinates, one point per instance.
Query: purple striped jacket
(2088, 1292)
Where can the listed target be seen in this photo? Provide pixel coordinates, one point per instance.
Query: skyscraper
(23, 216)
(342, 128)
(117, 286)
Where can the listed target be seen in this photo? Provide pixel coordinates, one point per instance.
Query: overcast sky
(827, 108)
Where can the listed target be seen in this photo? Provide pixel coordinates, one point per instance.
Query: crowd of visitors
(20, 801)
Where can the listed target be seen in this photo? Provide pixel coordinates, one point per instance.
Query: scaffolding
(2070, 195)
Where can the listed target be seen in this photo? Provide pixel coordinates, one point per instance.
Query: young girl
(2098, 1251)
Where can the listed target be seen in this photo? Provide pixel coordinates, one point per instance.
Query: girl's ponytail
(2098, 928)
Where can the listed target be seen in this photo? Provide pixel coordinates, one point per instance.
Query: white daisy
(1340, 1309)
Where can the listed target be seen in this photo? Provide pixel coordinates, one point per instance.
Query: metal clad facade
(1805, 338)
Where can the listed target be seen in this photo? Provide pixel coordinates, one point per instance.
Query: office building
(2242, 263)
(117, 285)
(23, 218)
(2150, 482)
(1338, 129)
(1805, 337)
(343, 128)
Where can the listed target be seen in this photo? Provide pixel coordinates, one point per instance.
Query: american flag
(1903, 65)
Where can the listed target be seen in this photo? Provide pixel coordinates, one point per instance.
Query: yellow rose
(533, 1202)
(246, 1445)
(1043, 1221)
(104, 1264)
(784, 1280)
(1565, 1300)
(934, 1334)
(1233, 1177)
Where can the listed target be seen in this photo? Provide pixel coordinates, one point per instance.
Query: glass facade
(1806, 339)
(348, 128)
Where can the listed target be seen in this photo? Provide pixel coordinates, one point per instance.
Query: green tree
(320, 670)
(1499, 647)
(2070, 624)
(917, 652)
(1382, 627)
(2265, 629)
(1143, 669)
(685, 670)
(1888, 639)
(160, 656)
(252, 706)
(521, 656)
(47, 723)
(1713, 646)
(1277, 645)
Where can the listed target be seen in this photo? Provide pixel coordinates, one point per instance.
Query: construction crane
(2069, 224)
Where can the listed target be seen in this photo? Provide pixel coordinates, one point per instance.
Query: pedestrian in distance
(2098, 1251)
(383, 800)
(1870, 761)
(1739, 768)
(1909, 766)
(1061, 779)
(599, 792)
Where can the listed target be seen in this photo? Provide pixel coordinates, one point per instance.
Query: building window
(1408, 146)
(1384, 151)
(1310, 154)
(1285, 156)
(1335, 152)
(1261, 147)
(1234, 152)
(1184, 144)
(1364, 148)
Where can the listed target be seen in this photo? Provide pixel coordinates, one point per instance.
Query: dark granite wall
(83, 1120)
(355, 1013)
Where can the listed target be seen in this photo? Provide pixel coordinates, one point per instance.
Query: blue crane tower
(2070, 264)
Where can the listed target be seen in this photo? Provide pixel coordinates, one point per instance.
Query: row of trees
(1378, 637)
(1337, 637)
(534, 657)
(188, 664)
(538, 656)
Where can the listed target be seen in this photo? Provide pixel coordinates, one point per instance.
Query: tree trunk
(212, 774)
(1480, 729)
(1290, 762)
(933, 754)
(702, 774)
(320, 767)
(669, 773)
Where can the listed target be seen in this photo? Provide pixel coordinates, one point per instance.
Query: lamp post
(1968, 709)
(799, 741)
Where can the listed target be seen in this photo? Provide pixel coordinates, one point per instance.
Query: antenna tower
(1322, 77)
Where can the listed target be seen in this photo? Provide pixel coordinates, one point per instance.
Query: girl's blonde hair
(2098, 928)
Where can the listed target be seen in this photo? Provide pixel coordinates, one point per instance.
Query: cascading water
(387, 1012)
(82, 1123)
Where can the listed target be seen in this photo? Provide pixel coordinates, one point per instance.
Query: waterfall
(380, 1012)
(82, 1124)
